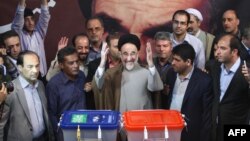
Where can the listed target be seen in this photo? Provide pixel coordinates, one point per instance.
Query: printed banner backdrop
(142, 18)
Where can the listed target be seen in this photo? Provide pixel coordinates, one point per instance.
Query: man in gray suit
(25, 116)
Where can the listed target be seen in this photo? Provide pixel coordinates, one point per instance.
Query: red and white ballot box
(153, 125)
(86, 125)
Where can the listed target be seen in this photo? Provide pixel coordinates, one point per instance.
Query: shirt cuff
(20, 8)
(99, 72)
(45, 7)
(152, 70)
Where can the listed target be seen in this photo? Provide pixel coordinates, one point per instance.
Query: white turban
(195, 12)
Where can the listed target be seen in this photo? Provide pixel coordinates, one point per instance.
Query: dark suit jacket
(244, 55)
(16, 117)
(196, 105)
(234, 106)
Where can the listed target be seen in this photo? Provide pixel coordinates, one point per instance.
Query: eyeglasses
(96, 29)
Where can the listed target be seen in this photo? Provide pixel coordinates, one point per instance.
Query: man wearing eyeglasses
(95, 31)
(180, 22)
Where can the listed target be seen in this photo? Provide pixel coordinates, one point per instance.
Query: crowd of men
(191, 71)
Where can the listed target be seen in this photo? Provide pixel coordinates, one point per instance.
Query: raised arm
(246, 72)
(44, 2)
(54, 66)
(149, 55)
(22, 3)
(100, 70)
(154, 79)
(44, 18)
(3, 93)
(18, 20)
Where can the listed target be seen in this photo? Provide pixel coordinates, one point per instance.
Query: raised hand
(3, 51)
(3, 93)
(149, 55)
(104, 53)
(87, 87)
(44, 2)
(62, 43)
(246, 72)
(22, 2)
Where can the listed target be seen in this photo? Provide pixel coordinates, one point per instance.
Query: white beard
(130, 65)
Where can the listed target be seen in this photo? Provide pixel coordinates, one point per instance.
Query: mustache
(82, 54)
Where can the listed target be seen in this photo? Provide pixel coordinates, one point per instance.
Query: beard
(129, 65)
(82, 57)
(94, 40)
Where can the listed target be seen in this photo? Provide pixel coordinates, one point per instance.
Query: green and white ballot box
(86, 125)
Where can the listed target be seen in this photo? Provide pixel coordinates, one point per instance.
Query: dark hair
(234, 42)
(246, 32)
(95, 18)
(22, 54)
(234, 11)
(28, 12)
(111, 36)
(8, 34)
(181, 12)
(83, 34)
(185, 51)
(65, 52)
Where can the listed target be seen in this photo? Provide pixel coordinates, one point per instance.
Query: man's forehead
(166, 41)
(224, 41)
(82, 39)
(71, 57)
(94, 23)
(29, 17)
(30, 59)
(114, 41)
(129, 47)
(230, 14)
(12, 38)
(178, 57)
(180, 17)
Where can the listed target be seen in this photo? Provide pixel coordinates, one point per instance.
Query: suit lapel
(233, 82)
(22, 99)
(217, 83)
(41, 94)
(190, 86)
(170, 80)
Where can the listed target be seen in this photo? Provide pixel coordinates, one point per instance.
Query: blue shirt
(226, 76)
(64, 94)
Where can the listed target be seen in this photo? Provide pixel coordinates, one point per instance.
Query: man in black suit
(190, 93)
(231, 90)
(245, 47)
